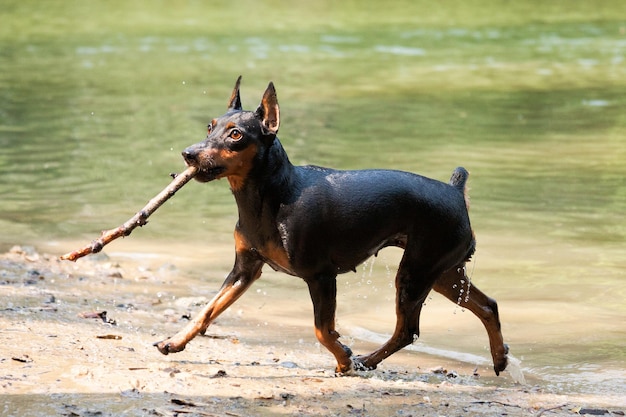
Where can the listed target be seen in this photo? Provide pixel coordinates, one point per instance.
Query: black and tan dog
(316, 223)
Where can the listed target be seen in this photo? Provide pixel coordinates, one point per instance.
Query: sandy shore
(63, 356)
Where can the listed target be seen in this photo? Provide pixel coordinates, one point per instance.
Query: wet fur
(315, 223)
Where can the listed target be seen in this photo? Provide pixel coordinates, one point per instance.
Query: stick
(139, 219)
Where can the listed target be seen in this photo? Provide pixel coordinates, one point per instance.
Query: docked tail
(459, 181)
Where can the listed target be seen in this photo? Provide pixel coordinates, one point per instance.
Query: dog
(315, 223)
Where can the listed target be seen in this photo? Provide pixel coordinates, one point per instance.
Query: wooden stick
(139, 219)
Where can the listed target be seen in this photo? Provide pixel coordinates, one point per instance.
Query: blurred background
(97, 99)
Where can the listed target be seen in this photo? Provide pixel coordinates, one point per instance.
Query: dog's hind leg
(323, 290)
(412, 286)
(247, 269)
(455, 285)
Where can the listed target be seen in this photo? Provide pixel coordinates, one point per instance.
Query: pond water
(96, 103)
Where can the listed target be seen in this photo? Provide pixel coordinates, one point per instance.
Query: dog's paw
(501, 365)
(345, 372)
(356, 367)
(166, 347)
(500, 362)
(360, 364)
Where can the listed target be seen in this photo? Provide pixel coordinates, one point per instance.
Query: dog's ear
(235, 102)
(268, 111)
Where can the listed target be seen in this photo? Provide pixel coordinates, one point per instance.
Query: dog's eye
(209, 128)
(235, 134)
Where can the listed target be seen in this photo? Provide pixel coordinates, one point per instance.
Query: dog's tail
(459, 181)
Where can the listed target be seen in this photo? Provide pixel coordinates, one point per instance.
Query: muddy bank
(78, 337)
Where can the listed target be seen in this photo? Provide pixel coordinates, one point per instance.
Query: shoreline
(60, 360)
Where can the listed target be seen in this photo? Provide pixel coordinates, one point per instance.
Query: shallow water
(96, 104)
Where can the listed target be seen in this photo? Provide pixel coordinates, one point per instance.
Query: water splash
(464, 291)
(514, 367)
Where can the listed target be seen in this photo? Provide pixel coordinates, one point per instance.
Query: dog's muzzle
(207, 169)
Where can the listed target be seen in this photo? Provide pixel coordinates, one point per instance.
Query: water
(96, 103)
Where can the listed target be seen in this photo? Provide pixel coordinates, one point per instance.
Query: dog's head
(235, 139)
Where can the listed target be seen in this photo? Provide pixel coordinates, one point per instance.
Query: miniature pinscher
(315, 223)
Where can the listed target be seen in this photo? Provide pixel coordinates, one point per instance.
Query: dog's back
(335, 219)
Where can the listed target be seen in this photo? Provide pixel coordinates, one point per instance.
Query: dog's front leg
(247, 269)
(323, 290)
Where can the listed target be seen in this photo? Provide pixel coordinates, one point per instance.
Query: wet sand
(63, 356)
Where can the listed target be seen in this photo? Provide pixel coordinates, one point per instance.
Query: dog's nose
(189, 155)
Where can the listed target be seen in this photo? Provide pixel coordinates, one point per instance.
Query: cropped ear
(268, 111)
(235, 102)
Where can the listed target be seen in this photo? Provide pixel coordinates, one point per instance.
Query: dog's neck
(269, 182)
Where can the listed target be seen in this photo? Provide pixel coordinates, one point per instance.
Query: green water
(98, 99)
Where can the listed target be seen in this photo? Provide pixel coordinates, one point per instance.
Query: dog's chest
(275, 256)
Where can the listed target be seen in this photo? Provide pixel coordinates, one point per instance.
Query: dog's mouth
(209, 174)
(208, 168)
